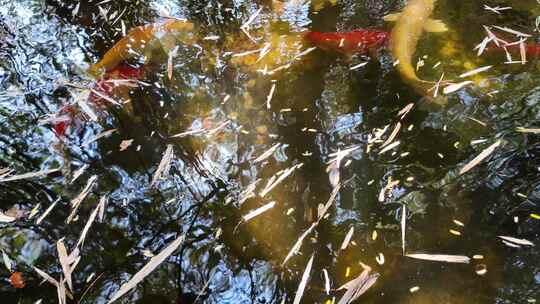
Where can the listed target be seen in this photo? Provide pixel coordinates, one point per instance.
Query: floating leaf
(147, 269)
(347, 239)
(258, 211)
(475, 71)
(164, 165)
(46, 277)
(63, 257)
(42, 217)
(5, 218)
(298, 243)
(7, 261)
(440, 258)
(326, 282)
(29, 175)
(358, 286)
(478, 159)
(517, 241)
(304, 281)
(456, 87)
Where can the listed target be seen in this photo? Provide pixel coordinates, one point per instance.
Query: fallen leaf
(304, 281)
(258, 211)
(16, 280)
(63, 257)
(483, 155)
(164, 165)
(125, 144)
(29, 175)
(475, 71)
(358, 287)
(347, 239)
(147, 269)
(517, 241)
(5, 218)
(456, 87)
(440, 258)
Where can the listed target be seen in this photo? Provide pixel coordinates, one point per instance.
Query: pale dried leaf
(90, 221)
(78, 173)
(248, 192)
(478, 159)
(511, 31)
(390, 147)
(251, 19)
(98, 136)
(392, 135)
(125, 144)
(164, 165)
(147, 269)
(347, 239)
(7, 261)
(405, 110)
(326, 282)
(29, 175)
(526, 130)
(304, 281)
(63, 257)
(5, 218)
(330, 201)
(170, 58)
(267, 153)
(61, 291)
(514, 240)
(42, 217)
(440, 258)
(105, 97)
(475, 71)
(76, 202)
(298, 244)
(46, 277)
(279, 179)
(270, 96)
(403, 227)
(456, 87)
(258, 211)
(357, 287)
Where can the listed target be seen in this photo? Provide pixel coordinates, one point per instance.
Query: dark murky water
(319, 106)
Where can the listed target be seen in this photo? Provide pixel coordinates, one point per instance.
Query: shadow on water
(318, 106)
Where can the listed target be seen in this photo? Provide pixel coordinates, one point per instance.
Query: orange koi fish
(142, 40)
(139, 42)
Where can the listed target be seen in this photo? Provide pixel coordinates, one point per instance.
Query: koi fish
(106, 86)
(103, 89)
(410, 25)
(532, 49)
(358, 41)
(142, 40)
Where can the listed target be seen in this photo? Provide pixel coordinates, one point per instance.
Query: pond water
(240, 113)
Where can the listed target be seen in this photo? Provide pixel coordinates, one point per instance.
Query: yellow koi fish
(141, 40)
(410, 25)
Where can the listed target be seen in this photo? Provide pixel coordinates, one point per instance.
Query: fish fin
(391, 17)
(435, 26)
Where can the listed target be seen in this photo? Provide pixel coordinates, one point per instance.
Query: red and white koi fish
(114, 84)
(359, 41)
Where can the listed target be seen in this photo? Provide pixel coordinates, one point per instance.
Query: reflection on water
(253, 116)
